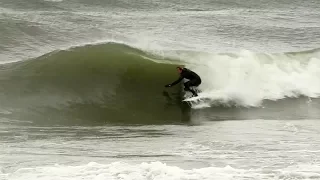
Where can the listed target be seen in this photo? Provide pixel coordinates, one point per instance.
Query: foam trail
(54, 0)
(248, 78)
(159, 171)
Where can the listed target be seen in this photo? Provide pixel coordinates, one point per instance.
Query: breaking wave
(118, 83)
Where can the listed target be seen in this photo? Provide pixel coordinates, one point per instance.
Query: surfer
(194, 80)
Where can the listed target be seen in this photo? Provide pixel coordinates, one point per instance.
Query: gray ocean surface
(82, 90)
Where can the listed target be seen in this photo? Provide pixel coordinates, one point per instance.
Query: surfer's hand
(168, 85)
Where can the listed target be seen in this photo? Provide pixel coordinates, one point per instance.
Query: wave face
(248, 79)
(103, 83)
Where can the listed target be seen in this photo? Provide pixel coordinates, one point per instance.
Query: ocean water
(82, 90)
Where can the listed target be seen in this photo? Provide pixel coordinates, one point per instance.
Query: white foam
(248, 78)
(158, 171)
(54, 0)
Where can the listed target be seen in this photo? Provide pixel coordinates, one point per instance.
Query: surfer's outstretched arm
(175, 82)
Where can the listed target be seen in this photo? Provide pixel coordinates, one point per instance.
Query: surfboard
(197, 102)
(197, 99)
(192, 98)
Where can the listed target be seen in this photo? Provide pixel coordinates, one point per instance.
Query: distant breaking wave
(159, 170)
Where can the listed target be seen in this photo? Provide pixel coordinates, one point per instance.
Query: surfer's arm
(176, 82)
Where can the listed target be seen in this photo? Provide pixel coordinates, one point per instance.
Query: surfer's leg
(195, 83)
(187, 88)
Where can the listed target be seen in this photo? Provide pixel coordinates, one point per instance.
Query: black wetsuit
(194, 80)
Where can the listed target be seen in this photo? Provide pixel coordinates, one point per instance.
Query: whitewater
(158, 170)
(248, 78)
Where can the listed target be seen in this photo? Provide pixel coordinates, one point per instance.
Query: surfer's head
(179, 69)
